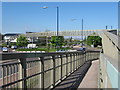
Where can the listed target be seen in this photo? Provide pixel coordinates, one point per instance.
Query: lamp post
(82, 32)
(81, 28)
(57, 21)
(57, 24)
(57, 18)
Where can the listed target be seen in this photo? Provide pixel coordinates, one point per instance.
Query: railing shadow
(74, 80)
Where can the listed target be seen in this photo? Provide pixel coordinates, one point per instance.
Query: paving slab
(91, 78)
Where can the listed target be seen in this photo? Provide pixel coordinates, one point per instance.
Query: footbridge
(69, 33)
(49, 70)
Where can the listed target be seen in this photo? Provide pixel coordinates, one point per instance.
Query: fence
(40, 70)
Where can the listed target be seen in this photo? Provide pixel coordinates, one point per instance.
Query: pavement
(91, 78)
(85, 77)
(73, 81)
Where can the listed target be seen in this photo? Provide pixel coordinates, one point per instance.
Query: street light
(57, 18)
(57, 24)
(82, 28)
(82, 32)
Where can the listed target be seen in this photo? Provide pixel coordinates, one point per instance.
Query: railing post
(80, 60)
(42, 75)
(70, 63)
(40, 70)
(77, 60)
(73, 62)
(20, 73)
(3, 74)
(61, 66)
(88, 55)
(54, 77)
(1, 68)
(24, 74)
(66, 64)
(85, 56)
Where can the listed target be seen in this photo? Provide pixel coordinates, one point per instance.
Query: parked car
(5, 49)
(14, 47)
(82, 48)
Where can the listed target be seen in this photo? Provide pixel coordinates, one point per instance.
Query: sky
(21, 17)
(60, 0)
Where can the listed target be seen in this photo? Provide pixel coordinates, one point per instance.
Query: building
(9, 37)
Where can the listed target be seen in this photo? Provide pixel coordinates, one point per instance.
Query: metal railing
(40, 70)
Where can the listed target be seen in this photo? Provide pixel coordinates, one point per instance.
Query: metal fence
(40, 70)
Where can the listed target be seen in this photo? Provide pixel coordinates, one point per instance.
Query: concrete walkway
(85, 77)
(91, 78)
(74, 80)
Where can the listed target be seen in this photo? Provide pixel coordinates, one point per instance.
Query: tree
(57, 41)
(94, 40)
(22, 41)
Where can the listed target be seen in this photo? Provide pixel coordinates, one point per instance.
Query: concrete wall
(109, 58)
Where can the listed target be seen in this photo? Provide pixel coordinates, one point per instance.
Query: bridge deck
(84, 77)
(91, 78)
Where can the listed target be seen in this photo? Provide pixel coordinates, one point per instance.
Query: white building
(10, 37)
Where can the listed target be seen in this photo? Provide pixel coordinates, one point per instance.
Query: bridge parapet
(66, 33)
(109, 59)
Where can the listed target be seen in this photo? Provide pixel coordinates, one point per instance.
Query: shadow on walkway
(74, 80)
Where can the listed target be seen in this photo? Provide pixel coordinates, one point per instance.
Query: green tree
(94, 40)
(57, 41)
(22, 41)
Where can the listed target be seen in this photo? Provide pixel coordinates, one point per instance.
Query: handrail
(7, 56)
(63, 63)
(114, 38)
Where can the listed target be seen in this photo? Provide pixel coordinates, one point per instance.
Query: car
(14, 47)
(81, 49)
(5, 49)
(61, 51)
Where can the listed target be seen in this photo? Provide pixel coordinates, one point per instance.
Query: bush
(94, 40)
